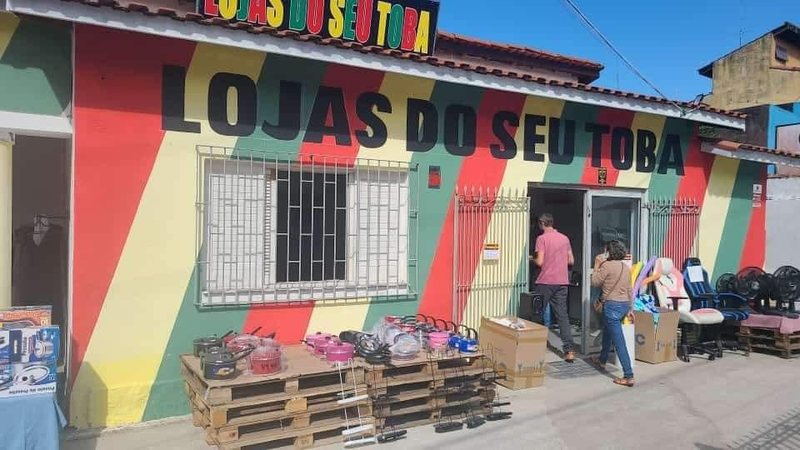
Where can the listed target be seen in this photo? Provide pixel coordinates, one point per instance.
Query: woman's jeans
(613, 313)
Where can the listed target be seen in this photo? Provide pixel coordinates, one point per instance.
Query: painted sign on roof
(405, 25)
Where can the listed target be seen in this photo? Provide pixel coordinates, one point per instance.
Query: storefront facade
(173, 139)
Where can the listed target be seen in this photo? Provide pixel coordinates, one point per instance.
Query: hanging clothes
(40, 269)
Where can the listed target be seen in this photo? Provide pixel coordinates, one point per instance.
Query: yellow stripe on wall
(631, 178)
(504, 229)
(715, 208)
(398, 88)
(334, 317)
(518, 171)
(8, 25)
(142, 303)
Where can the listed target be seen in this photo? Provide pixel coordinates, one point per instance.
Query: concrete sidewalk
(734, 402)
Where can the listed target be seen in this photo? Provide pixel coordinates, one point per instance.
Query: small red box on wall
(434, 177)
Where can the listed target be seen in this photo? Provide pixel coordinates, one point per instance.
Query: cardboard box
(32, 344)
(26, 316)
(657, 343)
(28, 379)
(519, 354)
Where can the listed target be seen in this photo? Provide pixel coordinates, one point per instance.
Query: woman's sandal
(627, 382)
(595, 361)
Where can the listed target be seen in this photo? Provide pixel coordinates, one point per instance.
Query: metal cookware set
(329, 347)
(226, 356)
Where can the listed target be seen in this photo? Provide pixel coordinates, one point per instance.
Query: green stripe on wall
(277, 68)
(573, 172)
(36, 68)
(737, 220)
(433, 203)
(167, 397)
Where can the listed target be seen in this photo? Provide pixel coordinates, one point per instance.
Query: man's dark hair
(546, 220)
(616, 251)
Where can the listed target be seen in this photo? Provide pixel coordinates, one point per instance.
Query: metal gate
(674, 229)
(490, 261)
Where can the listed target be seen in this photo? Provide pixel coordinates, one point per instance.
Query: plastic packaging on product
(266, 360)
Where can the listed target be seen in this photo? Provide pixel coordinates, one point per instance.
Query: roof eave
(166, 27)
(724, 150)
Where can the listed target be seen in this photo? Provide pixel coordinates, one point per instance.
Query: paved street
(734, 402)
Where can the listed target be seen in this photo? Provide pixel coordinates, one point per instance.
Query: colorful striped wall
(134, 243)
(36, 59)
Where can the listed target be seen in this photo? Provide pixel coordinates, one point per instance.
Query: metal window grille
(273, 229)
(489, 284)
(674, 227)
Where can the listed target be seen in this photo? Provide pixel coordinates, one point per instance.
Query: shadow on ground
(783, 432)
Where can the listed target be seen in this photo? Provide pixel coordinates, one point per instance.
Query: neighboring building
(223, 177)
(765, 71)
(762, 79)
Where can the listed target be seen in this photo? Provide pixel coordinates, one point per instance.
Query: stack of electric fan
(761, 288)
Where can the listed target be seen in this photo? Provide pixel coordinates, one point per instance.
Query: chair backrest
(670, 284)
(695, 279)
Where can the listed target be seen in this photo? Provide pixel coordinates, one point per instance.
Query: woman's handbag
(598, 304)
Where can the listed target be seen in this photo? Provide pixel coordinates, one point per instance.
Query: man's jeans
(556, 298)
(546, 315)
(613, 313)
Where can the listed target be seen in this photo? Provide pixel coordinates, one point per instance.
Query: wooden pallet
(222, 415)
(403, 406)
(305, 376)
(337, 417)
(770, 341)
(424, 368)
(315, 436)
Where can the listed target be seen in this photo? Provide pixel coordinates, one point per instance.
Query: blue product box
(28, 378)
(33, 344)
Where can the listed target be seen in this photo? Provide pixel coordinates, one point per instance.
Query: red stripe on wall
(117, 137)
(289, 322)
(754, 251)
(613, 118)
(479, 172)
(344, 77)
(692, 187)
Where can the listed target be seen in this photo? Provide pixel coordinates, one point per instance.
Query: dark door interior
(566, 206)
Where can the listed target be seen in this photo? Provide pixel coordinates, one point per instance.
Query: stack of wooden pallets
(430, 389)
(770, 340)
(299, 407)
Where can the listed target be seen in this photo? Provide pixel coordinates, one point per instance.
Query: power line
(614, 49)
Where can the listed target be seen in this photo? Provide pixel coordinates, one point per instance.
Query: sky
(667, 40)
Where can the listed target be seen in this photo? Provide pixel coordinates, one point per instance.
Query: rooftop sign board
(405, 25)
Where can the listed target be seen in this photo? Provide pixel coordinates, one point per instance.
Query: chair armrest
(675, 301)
(730, 300)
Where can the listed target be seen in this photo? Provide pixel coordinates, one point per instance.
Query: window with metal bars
(275, 230)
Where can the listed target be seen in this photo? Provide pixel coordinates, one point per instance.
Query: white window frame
(365, 276)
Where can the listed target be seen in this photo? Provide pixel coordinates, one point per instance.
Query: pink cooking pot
(438, 339)
(339, 352)
(311, 339)
(321, 345)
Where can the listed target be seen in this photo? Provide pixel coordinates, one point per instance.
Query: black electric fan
(726, 283)
(787, 287)
(755, 285)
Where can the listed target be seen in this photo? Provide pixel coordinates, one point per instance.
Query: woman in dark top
(613, 276)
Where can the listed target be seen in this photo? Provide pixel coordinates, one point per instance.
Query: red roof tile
(734, 146)
(184, 16)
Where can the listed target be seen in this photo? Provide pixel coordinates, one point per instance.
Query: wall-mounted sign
(434, 177)
(758, 195)
(602, 176)
(407, 25)
(491, 252)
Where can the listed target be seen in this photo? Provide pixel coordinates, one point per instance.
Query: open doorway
(589, 218)
(40, 218)
(567, 208)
